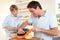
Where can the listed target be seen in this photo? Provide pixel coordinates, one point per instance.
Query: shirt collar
(14, 17)
(44, 14)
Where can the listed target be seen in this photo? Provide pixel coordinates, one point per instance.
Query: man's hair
(34, 4)
(13, 7)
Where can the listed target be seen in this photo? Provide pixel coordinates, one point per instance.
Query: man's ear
(37, 7)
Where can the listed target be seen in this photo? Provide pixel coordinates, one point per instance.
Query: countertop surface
(34, 38)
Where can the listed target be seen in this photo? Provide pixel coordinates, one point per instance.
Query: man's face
(33, 11)
(15, 12)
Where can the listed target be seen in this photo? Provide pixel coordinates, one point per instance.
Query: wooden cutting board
(34, 38)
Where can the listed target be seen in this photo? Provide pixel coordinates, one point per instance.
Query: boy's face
(15, 12)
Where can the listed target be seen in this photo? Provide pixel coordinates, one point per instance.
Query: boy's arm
(10, 28)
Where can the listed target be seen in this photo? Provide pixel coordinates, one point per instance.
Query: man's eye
(32, 11)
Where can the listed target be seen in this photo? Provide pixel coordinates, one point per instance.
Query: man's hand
(20, 31)
(35, 29)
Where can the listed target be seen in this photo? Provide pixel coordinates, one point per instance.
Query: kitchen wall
(49, 5)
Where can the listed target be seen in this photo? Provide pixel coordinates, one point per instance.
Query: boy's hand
(14, 28)
(20, 31)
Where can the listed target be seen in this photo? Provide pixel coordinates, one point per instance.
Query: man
(12, 21)
(44, 23)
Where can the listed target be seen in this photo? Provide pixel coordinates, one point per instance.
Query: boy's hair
(13, 7)
(34, 4)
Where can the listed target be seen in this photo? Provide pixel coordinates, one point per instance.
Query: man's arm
(24, 24)
(52, 31)
(53, 26)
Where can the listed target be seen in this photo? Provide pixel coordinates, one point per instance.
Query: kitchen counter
(34, 38)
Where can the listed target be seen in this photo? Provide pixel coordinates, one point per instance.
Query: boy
(12, 21)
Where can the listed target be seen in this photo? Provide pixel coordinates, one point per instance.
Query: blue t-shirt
(11, 21)
(46, 22)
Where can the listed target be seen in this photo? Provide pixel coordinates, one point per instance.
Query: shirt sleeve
(30, 20)
(5, 23)
(53, 21)
(19, 24)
